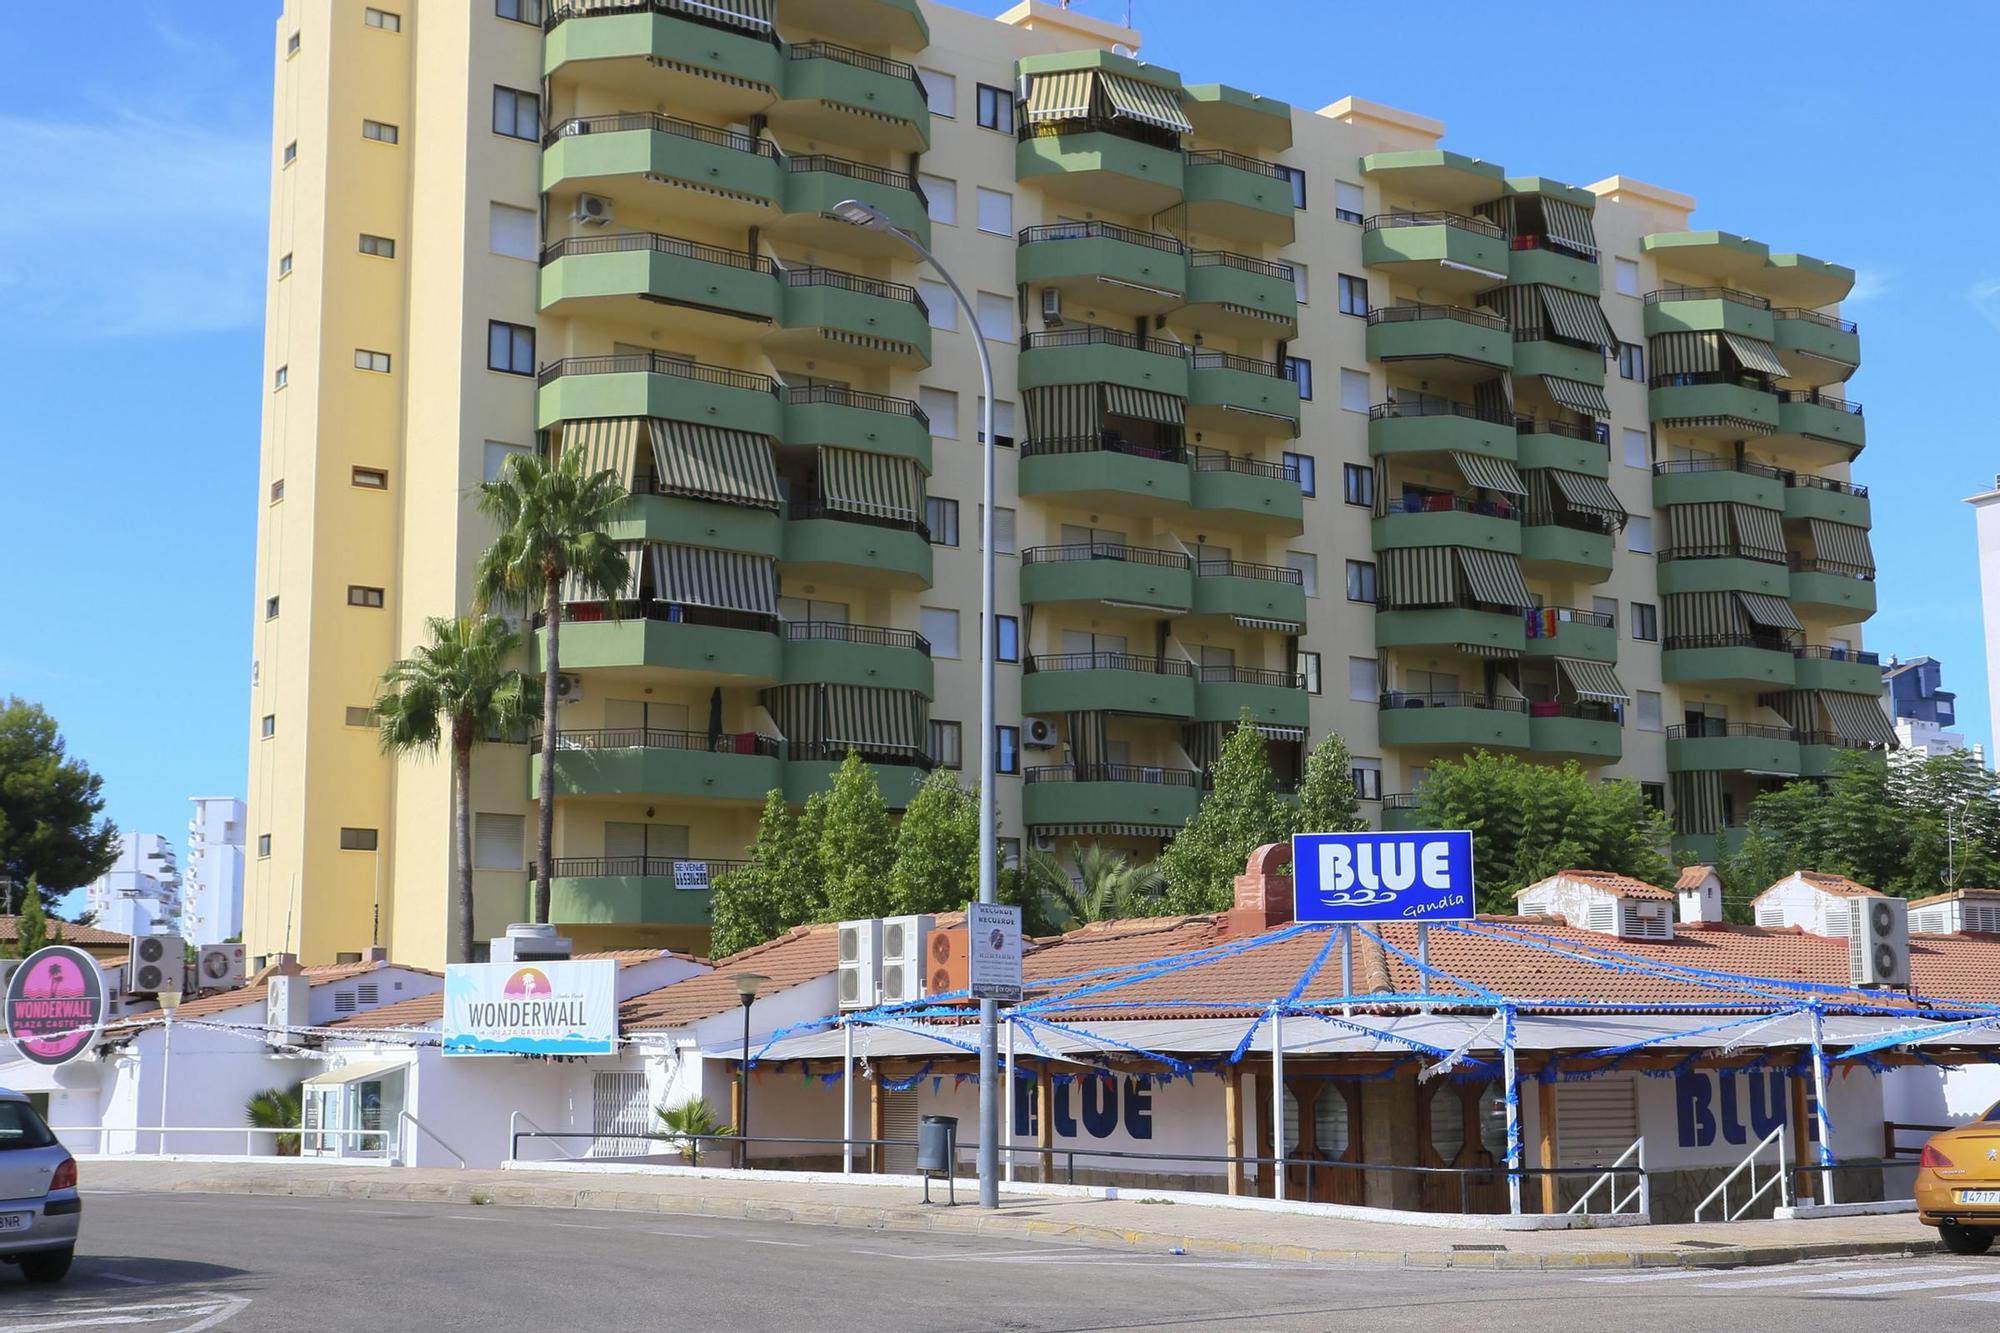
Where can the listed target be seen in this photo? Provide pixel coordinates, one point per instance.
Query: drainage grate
(1704, 1244)
(1482, 1249)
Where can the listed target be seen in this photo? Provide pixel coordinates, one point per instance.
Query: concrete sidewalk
(1129, 1222)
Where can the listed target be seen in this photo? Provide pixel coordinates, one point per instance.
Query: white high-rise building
(212, 890)
(1987, 505)
(141, 893)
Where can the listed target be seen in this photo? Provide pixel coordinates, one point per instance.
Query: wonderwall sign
(531, 1008)
(55, 1004)
(1415, 876)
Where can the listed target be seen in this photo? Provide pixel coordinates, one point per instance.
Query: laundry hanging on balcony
(606, 444)
(1596, 681)
(713, 463)
(874, 484)
(1492, 474)
(725, 580)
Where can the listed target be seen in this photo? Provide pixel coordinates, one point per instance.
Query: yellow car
(1958, 1184)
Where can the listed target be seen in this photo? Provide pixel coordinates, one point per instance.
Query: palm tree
(458, 687)
(277, 1108)
(687, 1125)
(1107, 887)
(552, 519)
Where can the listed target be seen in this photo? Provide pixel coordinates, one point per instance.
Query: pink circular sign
(55, 1004)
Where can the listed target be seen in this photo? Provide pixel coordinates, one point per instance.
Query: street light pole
(746, 991)
(859, 214)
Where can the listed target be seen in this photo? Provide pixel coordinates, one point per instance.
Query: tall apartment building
(1301, 414)
(1922, 711)
(212, 879)
(140, 894)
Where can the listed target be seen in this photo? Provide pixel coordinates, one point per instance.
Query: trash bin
(937, 1152)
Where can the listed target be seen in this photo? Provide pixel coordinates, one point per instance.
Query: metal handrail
(1728, 551)
(1137, 555)
(1110, 231)
(815, 276)
(1087, 335)
(1779, 1178)
(1148, 774)
(841, 396)
(1431, 405)
(710, 14)
(1725, 730)
(1566, 615)
(515, 1134)
(1843, 568)
(1812, 481)
(1641, 1189)
(635, 867)
(1401, 800)
(657, 363)
(1105, 442)
(847, 55)
(1862, 657)
(1246, 569)
(1451, 699)
(1222, 157)
(1576, 520)
(1665, 294)
(1412, 312)
(626, 241)
(1221, 460)
(1682, 379)
(1433, 218)
(1818, 399)
(861, 171)
(1773, 643)
(1675, 466)
(1249, 365)
(1236, 675)
(1817, 317)
(1441, 504)
(661, 738)
(1593, 433)
(800, 510)
(840, 631)
(715, 135)
(405, 1116)
(1269, 268)
(1106, 661)
(680, 613)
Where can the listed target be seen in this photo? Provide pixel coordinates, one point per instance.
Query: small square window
(1646, 710)
(268, 726)
(519, 11)
(510, 348)
(277, 490)
(383, 19)
(1307, 666)
(514, 232)
(1358, 484)
(996, 317)
(360, 717)
(1367, 775)
(996, 109)
(1645, 622)
(1638, 449)
(379, 131)
(263, 845)
(1007, 749)
(941, 406)
(358, 839)
(1361, 581)
(1355, 391)
(1307, 564)
(371, 478)
(948, 744)
(1639, 535)
(1628, 277)
(939, 624)
(1349, 202)
(285, 265)
(1364, 679)
(358, 595)
(1353, 295)
(1631, 361)
(281, 377)
(1307, 471)
(1007, 639)
(940, 92)
(517, 114)
(939, 304)
(941, 517)
(382, 247)
(292, 45)
(996, 212)
(270, 608)
(1300, 372)
(941, 196)
(367, 360)
(291, 152)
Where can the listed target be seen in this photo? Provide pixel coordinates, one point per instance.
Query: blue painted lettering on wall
(1727, 1106)
(1101, 1101)
(1347, 877)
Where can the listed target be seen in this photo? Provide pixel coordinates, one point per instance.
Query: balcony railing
(800, 510)
(714, 16)
(847, 55)
(1406, 314)
(839, 631)
(1802, 564)
(860, 171)
(1715, 729)
(1268, 268)
(640, 867)
(1092, 335)
(1811, 482)
(1434, 218)
(1221, 460)
(651, 120)
(1244, 569)
(1818, 399)
(1431, 405)
(625, 242)
(1106, 661)
(1587, 710)
(1236, 675)
(875, 752)
(1249, 365)
(1218, 157)
(1135, 555)
(840, 396)
(1679, 466)
(657, 363)
(1401, 800)
(1573, 519)
(677, 613)
(1833, 654)
(1770, 643)
(1707, 294)
(658, 738)
(1124, 127)
(1110, 231)
(1817, 317)
(1592, 433)
(1835, 739)
(854, 282)
(1105, 442)
(1742, 379)
(1573, 615)
(1452, 699)
(1727, 551)
(1544, 241)
(1145, 773)
(1446, 504)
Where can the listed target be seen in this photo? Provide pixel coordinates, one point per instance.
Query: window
(268, 726)
(1306, 665)
(1645, 622)
(1354, 391)
(1003, 422)
(939, 624)
(1631, 361)
(371, 478)
(497, 841)
(996, 109)
(996, 317)
(270, 608)
(263, 845)
(281, 377)
(1297, 176)
(1007, 749)
(291, 153)
(1003, 529)
(277, 490)
(1308, 472)
(517, 114)
(1364, 679)
(510, 347)
(1367, 775)
(1349, 204)
(1300, 372)
(359, 839)
(1638, 449)
(941, 517)
(1007, 639)
(1361, 581)
(379, 131)
(1010, 853)
(939, 304)
(1603, 606)
(382, 247)
(1358, 484)
(360, 717)
(1353, 295)
(1628, 277)
(948, 744)
(941, 406)
(383, 19)
(1655, 795)
(941, 192)
(292, 45)
(1646, 706)
(285, 265)
(367, 360)
(1300, 284)
(996, 211)
(514, 232)
(359, 595)
(940, 92)
(1639, 535)
(520, 11)
(1308, 566)
(498, 455)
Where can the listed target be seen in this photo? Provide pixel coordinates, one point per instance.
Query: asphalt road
(184, 1263)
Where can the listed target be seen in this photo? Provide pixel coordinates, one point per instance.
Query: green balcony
(1126, 479)
(1436, 176)
(1722, 574)
(1576, 637)
(1221, 114)
(1546, 356)
(691, 522)
(1101, 266)
(815, 182)
(1564, 446)
(1708, 310)
(1714, 256)
(1111, 575)
(1239, 294)
(1232, 195)
(748, 653)
(1452, 721)
(1818, 417)
(1243, 397)
(1831, 590)
(1097, 168)
(1821, 755)
(1801, 280)
(639, 59)
(1816, 347)
(1739, 661)
(1710, 407)
(1842, 670)
(806, 778)
(897, 23)
(1254, 592)
(846, 418)
(1735, 747)
(1107, 682)
(1092, 355)
(643, 384)
(1709, 848)
(1460, 525)
(624, 900)
(671, 764)
(1439, 339)
(1400, 813)
(845, 316)
(1448, 627)
(818, 651)
(848, 547)
(729, 178)
(1556, 269)
(1427, 425)
(1274, 698)
(1586, 733)
(1713, 481)
(1835, 501)
(1248, 492)
(850, 96)
(1578, 549)
(1161, 798)
(626, 278)
(1437, 251)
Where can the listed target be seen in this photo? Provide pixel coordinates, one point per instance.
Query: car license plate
(1979, 1196)
(16, 1221)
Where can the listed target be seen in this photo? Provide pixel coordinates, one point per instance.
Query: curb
(974, 1223)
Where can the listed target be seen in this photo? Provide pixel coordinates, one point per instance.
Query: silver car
(40, 1210)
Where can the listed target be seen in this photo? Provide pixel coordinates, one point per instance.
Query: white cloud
(1984, 297)
(1870, 283)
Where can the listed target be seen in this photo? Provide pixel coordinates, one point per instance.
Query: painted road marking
(205, 1312)
(129, 1279)
(1749, 1280)
(683, 1235)
(788, 1244)
(1922, 1284)
(584, 1226)
(1669, 1275)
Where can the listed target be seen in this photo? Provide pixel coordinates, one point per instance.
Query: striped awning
(1495, 397)
(1760, 533)
(1593, 680)
(608, 443)
(1144, 102)
(1701, 615)
(727, 580)
(1578, 396)
(1703, 525)
(1063, 411)
(1064, 95)
(875, 719)
(1107, 830)
(1493, 474)
(711, 463)
(1591, 495)
(635, 555)
(746, 13)
(1577, 318)
(1755, 354)
(1520, 306)
(875, 484)
(1843, 544)
(1144, 405)
(1569, 223)
(795, 709)
(1859, 718)
(1274, 626)
(1494, 577)
(1698, 801)
(1768, 611)
(1684, 353)
(1486, 650)
(1275, 732)
(1415, 576)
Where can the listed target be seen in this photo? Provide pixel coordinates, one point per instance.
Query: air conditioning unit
(592, 210)
(1039, 734)
(945, 965)
(568, 689)
(903, 957)
(1052, 314)
(287, 1008)
(8, 966)
(860, 958)
(1045, 842)
(218, 967)
(1878, 945)
(156, 961)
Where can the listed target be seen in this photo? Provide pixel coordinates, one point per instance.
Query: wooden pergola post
(1802, 1152)
(1546, 1104)
(736, 1115)
(1232, 1113)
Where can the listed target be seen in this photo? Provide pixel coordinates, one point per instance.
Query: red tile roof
(1840, 886)
(1969, 895)
(801, 954)
(1693, 877)
(223, 1001)
(427, 1010)
(1622, 885)
(84, 936)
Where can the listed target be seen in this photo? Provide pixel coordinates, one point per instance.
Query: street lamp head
(747, 984)
(857, 214)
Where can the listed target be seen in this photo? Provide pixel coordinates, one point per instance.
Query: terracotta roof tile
(71, 933)
(1969, 895)
(1837, 884)
(627, 958)
(223, 1001)
(423, 1011)
(1693, 877)
(1623, 885)
(801, 954)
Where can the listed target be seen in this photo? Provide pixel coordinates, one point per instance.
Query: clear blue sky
(135, 147)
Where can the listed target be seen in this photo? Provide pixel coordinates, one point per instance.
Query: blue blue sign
(1345, 877)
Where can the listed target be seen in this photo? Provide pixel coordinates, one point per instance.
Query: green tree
(1326, 791)
(552, 519)
(1242, 811)
(33, 928)
(455, 691)
(687, 1123)
(49, 807)
(857, 844)
(277, 1108)
(777, 887)
(937, 848)
(1107, 887)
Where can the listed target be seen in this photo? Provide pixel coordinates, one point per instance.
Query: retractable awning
(1578, 396)
(1842, 543)
(1493, 474)
(1144, 102)
(635, 557)
(1569, 223)
(726, 580)
(749, 13)
(1273, 731)
(1592, 495)
(1063, 411)
(873, 719)
(1768, 611)
(876, 484)
(1575, 317)
(1593, 680)
(1108, 830)
(1145, 405)
(1684, 353)
(1061, 96)
(358, 1072)
(1859, 718)
(1701, 525)
(1275, 626)
(1486, 650)
(1755, 354)
(1759, 532)
(1494, 577)
(712, 463)
(1415, 576)
(607, 443)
